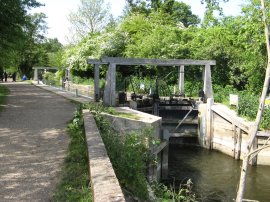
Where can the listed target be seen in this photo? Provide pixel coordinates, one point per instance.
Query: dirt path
(33, 142)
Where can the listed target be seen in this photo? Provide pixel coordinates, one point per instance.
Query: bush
(50, 79)
(84, 81)
(182, 194)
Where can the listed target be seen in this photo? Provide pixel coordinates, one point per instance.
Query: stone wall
(105, 185)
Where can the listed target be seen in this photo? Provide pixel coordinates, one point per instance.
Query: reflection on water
(215, 175)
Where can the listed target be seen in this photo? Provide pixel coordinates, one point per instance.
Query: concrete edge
(67, 95)
(105, 185)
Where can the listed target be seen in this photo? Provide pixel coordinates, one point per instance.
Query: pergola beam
(48, 68)
(146, 61)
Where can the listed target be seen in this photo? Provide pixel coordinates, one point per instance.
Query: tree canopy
(150, 29)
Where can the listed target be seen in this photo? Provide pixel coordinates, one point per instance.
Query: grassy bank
(75, 184)
(3, 94)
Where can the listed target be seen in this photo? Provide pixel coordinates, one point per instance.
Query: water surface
(216, 175)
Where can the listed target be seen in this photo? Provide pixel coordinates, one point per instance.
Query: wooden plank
(209, 122)
(239, 142)
(96, 62)
(156, 62)
(48, 68)
(231, 119)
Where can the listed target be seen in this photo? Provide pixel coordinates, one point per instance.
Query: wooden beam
(156, 62)
(46, 68)
(96, 62)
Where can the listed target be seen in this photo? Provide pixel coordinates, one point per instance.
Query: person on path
(5, 76)
(14, 77)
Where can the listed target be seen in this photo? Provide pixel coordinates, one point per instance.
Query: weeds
(74, 185)
(182, 194)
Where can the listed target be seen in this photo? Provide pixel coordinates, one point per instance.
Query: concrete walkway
(33, 142)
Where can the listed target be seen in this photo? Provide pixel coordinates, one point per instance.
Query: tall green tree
(178, 11)
(13, 19)
(31, 52)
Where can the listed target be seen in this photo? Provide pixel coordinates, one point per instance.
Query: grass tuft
(75, 184)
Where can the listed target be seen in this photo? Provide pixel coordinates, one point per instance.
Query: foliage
(50, 79)
(221, 94)
(13, 19)
(84, 81)
(247, 105)
(182, 194)
(3, 93)
(128, 153)
(75, 184)
(179, 12)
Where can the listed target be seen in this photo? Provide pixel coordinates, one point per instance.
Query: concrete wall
(105, 185)
(221, 129)
(144, 120)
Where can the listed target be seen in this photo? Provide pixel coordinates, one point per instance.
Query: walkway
(33, 142)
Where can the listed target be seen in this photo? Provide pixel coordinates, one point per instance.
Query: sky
(58, 10)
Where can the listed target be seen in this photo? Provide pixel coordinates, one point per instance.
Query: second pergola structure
(112, 62)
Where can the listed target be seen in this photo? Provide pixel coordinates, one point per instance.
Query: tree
(31, 50)
(180, 12)
(92, 16)
(211, 7)
(13, 17)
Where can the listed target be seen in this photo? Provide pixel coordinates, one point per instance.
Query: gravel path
(33, 142)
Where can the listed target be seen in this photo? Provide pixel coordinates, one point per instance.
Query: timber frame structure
(112, 62)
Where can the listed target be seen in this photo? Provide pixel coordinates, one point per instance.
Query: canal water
(215, 175)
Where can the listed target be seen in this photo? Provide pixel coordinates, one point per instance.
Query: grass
(128, 115)
(3, 95)
(75, 184)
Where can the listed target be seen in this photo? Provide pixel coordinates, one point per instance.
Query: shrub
(50, 78)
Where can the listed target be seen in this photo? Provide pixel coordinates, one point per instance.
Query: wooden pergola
(112, 62)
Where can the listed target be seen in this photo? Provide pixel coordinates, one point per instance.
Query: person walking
(14, 77)
(5, 76)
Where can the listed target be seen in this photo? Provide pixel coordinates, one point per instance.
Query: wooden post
(238, 144)
(209, 126)
(254, 147)
(181, 78)
(97, 93)
(36, 75)
(109, 92)
(254, 129)
(207, 82)
(234, 141)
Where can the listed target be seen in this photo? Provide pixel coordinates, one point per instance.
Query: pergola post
(181, 80)
(109, 91)
(97, 92)
(207, 82)
(35, 74)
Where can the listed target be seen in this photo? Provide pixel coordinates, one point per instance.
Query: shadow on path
(33, 142)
